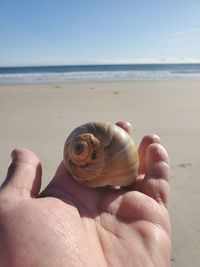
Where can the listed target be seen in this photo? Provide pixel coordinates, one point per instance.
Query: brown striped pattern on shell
(99, 154)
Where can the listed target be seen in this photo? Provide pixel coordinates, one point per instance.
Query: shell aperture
(99, 154)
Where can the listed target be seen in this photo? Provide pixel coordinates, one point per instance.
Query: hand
(71, 225)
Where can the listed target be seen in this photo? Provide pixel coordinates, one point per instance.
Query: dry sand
(40, 117)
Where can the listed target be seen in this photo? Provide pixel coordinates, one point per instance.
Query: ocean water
(84, 73)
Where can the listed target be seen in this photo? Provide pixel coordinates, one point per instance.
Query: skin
(71, 225)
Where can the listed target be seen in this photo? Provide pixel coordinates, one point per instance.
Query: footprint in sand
(184, 165)
(116, 92)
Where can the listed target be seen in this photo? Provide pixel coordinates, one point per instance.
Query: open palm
(71, 225)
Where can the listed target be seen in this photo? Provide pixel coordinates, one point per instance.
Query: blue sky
(45, 32)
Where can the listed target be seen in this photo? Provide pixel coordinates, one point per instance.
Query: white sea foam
(96, 76)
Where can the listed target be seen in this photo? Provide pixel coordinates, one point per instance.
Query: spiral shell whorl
(99, 154)
(80, 149)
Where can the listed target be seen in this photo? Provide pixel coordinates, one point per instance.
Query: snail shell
(99, 154)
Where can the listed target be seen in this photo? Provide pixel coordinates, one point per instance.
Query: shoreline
(100, 81)
(41, 84)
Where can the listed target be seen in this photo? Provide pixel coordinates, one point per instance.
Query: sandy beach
(40, 117)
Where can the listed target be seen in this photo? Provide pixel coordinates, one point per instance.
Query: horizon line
(100, 63)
